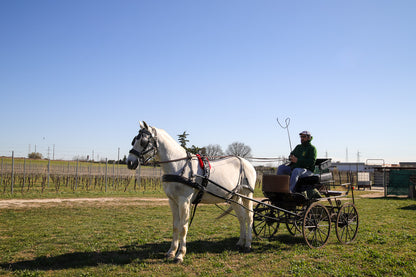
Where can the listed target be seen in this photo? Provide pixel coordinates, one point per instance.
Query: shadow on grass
(410, 207)
(390, 197)
(278, 242)
(149, 253)
(135, 253)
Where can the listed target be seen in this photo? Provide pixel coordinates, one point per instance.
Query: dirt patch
(375, 192)
(117, 201)
(33, 203)
(372, 195)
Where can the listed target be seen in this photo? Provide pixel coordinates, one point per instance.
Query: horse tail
(248, 175)
(225, 213)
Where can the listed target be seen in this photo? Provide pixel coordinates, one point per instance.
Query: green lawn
(130, 239)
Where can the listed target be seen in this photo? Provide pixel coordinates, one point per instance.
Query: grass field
(129, 238)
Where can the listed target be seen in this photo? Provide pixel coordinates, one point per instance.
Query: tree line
(212, 150)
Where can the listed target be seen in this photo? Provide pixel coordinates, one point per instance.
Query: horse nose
(132, 164)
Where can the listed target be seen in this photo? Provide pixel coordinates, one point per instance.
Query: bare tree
(239, 149)
(213, 150)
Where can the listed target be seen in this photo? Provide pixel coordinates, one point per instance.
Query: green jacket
(306, 154)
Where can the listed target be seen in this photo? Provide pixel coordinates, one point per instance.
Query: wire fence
(29, 175)
(23, 175)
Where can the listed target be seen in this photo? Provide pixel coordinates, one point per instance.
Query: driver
(302, 161)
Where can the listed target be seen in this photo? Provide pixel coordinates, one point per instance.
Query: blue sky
(80, 75)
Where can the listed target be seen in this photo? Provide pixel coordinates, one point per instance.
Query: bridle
(148, 142)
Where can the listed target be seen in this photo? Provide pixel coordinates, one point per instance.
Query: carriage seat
(314, 181)
(276, 183)
(276, 188)
(280, 183)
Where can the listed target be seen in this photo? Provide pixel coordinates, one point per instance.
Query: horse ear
(145, 126)
(141, 125)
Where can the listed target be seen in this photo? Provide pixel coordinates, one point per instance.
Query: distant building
(351, 166)
(408, 164)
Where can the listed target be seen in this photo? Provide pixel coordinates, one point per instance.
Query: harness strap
(180, 179)
(204, 164)
(188, 160)
(188, 182)
(206, 167)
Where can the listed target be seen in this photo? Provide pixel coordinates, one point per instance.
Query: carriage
(310, 211)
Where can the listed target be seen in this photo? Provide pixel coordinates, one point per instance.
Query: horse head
(143, 143)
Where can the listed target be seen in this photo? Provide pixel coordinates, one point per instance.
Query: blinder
(144, 142)
(145, 138)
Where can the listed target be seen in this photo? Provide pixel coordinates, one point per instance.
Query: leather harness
(149, 143)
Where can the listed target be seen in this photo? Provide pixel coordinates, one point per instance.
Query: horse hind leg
(244, 241)
(244, 213)
(248, 204)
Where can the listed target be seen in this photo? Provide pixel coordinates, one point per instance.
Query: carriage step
(334, 193)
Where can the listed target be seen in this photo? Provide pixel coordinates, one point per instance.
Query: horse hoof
(177, 261)
(169, 257)
(245, 249)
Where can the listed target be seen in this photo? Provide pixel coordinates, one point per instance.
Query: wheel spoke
(316, 226)
(347, 223)
(265, 220)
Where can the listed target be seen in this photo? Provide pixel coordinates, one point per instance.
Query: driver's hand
(293, 159)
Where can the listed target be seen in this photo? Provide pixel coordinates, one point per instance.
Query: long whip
(286, 126)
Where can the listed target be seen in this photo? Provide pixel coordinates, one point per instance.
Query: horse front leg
(184, 213)
(175, 235)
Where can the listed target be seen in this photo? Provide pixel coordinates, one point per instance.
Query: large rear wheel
(316, 225)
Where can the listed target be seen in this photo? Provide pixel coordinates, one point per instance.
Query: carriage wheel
(316, 225)
(347, 223)
(265, 220)
(293, 224)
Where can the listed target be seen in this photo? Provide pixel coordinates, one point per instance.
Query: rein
(184, 158)
(172, 161)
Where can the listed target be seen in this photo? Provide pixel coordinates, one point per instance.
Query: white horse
(232, 173)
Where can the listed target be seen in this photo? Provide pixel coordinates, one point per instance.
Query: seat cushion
(310, 180)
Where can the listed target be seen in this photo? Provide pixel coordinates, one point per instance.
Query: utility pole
(346, 155)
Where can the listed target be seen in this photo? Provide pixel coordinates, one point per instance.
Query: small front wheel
(347, 223)
(265, 220)
(316, 225)
(294, 224)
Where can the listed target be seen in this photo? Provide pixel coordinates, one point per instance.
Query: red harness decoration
(201, 161)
